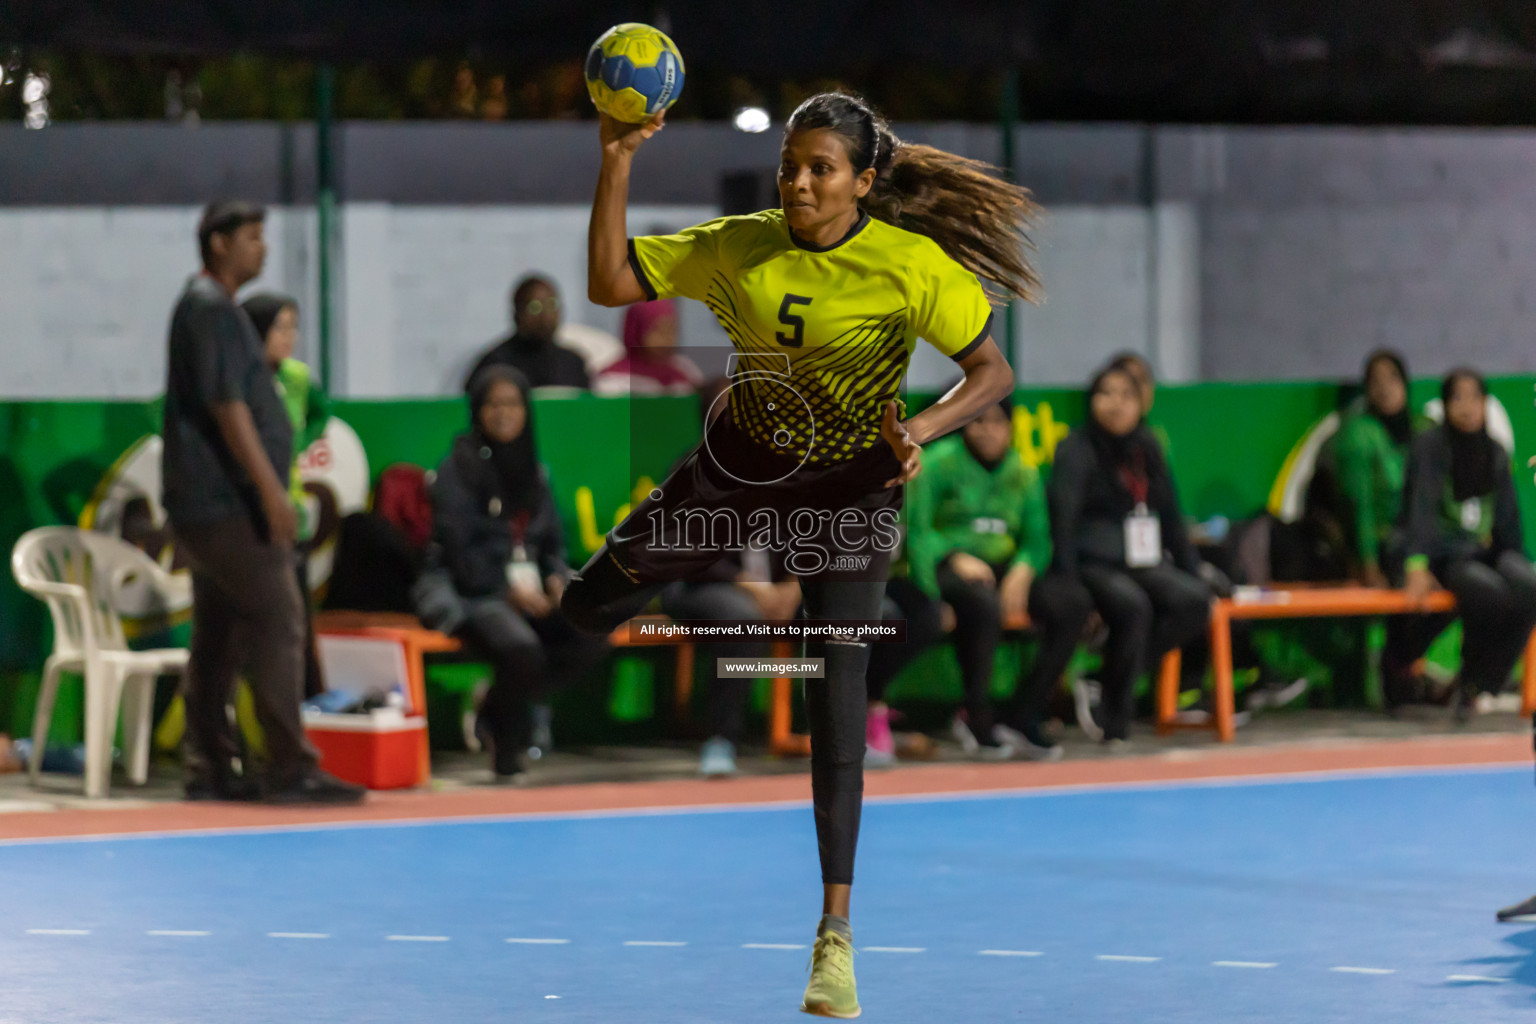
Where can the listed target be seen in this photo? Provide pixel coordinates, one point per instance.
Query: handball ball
(634, 72)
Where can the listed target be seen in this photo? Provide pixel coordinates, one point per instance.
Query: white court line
(1363, 970)
(1243, 963)
(165, 931)
(893, 949)
(1118, 959)
(541, 942)
(1476, 977)
(1008, 952)
(771, 945)
(652, 942)
(298, 935)
(416, 938)
(58, 931)
(551, 997)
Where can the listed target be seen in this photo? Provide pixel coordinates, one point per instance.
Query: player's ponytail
(978, 219)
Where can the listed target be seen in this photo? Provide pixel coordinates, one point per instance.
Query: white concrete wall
(86, 293)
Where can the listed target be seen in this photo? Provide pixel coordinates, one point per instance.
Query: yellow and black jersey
(824, 335)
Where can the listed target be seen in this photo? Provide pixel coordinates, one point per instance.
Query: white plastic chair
(78, 574)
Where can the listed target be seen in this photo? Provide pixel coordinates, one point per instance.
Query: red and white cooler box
(385, 748)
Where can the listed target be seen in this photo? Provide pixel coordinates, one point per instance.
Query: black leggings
(602, 596)
(1149, 612)
(1496, 599)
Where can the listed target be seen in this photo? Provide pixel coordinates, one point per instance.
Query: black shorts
(837, 521)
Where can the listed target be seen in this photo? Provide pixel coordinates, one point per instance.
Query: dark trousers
(978, 631)
(906, 601)
(1496, 599)
(1059, 609)
(314, 678)
(723, 602)
(529, 658)
(1149, 612)
(247, 617)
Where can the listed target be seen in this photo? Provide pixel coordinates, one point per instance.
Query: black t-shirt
(215, 357)
(544, 363)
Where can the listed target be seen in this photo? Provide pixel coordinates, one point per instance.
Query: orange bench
(1300, 602)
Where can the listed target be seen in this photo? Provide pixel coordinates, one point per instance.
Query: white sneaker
(542, 740)
(963, 735)
(718, 758)
(1021, 743)
(1088, 695)
(999, 750)
(874, 757)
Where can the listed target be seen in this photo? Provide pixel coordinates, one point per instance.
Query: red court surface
(1182, 766)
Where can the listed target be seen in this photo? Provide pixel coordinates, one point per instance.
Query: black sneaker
(231, 788)
(317, 787)
(1520, 913)
(1465, 703)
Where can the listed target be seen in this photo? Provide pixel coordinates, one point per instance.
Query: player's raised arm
(610, 281)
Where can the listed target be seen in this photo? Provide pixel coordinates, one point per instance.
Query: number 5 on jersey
(790, 319)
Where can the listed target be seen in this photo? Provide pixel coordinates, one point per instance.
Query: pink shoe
(879, 744)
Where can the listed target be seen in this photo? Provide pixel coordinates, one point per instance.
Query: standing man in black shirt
(531, 349)
(228, 449)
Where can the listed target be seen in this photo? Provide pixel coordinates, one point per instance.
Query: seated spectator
(651, 364)
(276, 319)
(9, 761)
(496, 566)
(741, 587)
(977, 531)
(1360, 470)
(1461, 524)
(1136, 364)
(744, 586)
(531, 349)
(1115, 522)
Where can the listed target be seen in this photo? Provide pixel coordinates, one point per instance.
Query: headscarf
(1399, 425)
(1136, 451)
(638, 361)
(990, 465)
(1473, 455)
(514, 464)
(263, 308)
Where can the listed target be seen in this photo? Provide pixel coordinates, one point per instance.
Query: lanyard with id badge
(1143, 530)
(522, 571)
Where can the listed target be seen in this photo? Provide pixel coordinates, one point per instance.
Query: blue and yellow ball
(634, 72)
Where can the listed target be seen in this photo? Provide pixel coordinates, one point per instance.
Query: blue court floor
(1354, 899)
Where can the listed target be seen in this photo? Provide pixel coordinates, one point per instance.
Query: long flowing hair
(980, 220)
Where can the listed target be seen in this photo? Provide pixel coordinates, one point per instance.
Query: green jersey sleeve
(668, 266)
(950, 309)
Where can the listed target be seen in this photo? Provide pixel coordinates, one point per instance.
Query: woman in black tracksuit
(1461, 530)
(1117, 530)
(496, 566)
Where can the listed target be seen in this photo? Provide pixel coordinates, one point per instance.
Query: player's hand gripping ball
(634, 72)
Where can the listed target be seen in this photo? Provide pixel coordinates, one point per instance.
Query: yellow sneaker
(831, 991)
